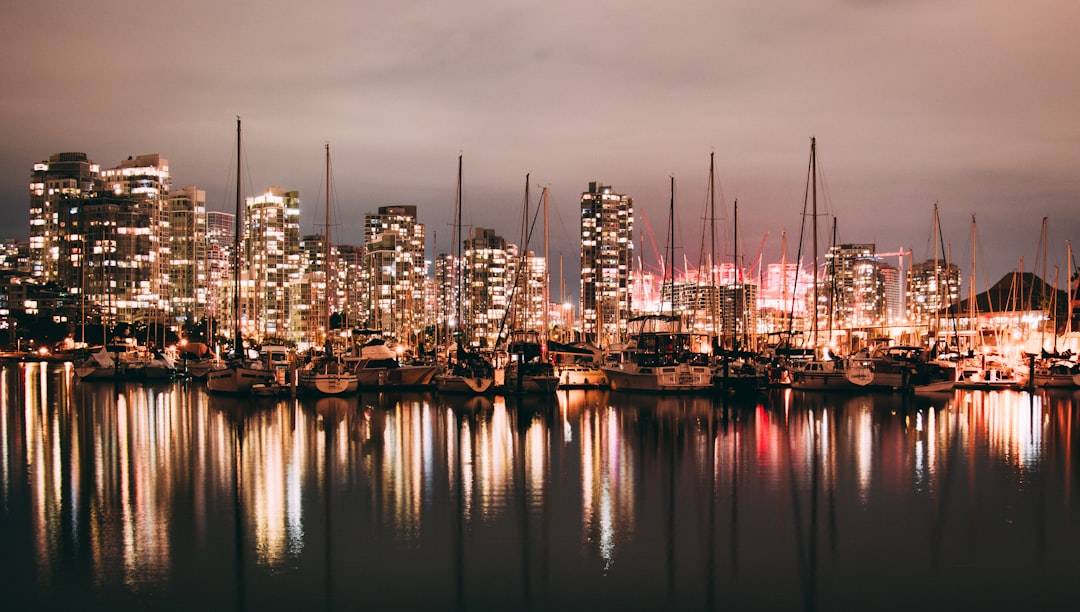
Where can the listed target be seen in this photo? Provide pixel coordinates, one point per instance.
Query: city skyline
(970, 104)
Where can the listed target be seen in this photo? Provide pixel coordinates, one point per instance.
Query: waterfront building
(698, 303)
(394, 246)
(309, 292)
(15, 255)
(782, 298)
(272, 251)
(57, 188)
(220, 227)
(352, 295)
(893, 288)
(607, 255)
(188, 278)
(141, 184)
(528, 277)
(855, 292)
(931, 287)
(488, 282)
(446, 278)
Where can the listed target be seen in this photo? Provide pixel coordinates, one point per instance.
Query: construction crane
(757, 260)
(900, 255)
(652, 240)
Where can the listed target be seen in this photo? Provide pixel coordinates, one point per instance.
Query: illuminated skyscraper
(272, 245)
(57, 189)
(487, 285)
(607, 255)
(188, 280)
(220, 227)
(931, 287)
(141, 276)
(394, 244)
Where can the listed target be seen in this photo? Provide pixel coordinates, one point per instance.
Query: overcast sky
(974, 104)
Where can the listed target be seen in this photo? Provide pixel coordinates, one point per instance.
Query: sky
(972, 104)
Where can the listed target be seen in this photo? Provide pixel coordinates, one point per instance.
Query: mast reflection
(132, 485)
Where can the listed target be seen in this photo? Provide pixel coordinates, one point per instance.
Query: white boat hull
(328, 384)
(672, 379)
(234, 378)
(403, 377)
(452, 383)
(580, 377)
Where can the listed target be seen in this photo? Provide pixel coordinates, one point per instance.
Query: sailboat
(984, 367)
(240, 373)
(528, 371)
(328, 374)
(825, 371)
(378, 365)
(468, 371)
(660, 356)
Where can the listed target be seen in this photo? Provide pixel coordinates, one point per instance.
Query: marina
(134, 495)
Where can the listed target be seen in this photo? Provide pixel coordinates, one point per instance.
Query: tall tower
(607, 256)
(852, 288)
(220, 227)
(272, 245)
(188, 279)
(931, 287)
(487, 285)
(394, 244)
(58, 187)
(142, 234)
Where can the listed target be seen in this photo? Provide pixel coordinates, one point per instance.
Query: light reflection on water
(129, 495)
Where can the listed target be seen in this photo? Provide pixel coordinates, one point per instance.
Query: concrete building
(57, 188)
(394, 247)
(188, 278)
(272, 251)
(607, 255)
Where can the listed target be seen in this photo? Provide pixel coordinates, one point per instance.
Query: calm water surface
(137, 497)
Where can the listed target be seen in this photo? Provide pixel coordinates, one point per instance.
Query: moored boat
(661, 357)
(527, 371)
(378, 366)
(577, 366)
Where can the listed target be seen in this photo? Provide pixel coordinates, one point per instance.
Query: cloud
(971, 103)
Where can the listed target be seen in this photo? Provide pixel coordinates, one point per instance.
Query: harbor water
(125, 496)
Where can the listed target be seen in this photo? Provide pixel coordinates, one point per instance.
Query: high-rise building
(15, 255)
(352, 285)
(931, 287)
(220, 229)
(394, 244)
(487, 285)
(272, 249)
(843, 297)
(607, 255)
(528, 308)
(58, 187)
(310, 306)
(447, 275)
(142, 235)
(188, 278)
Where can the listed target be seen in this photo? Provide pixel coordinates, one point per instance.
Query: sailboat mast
(547, 278)
(1069, 279)
(1045, 247)
(712, 245)
(737, 285)
(326, 254)
(459, 270)
(971, 288)
(523, 273)
(937, 279)
(813, 216)
(238, 346)
(669, 270)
